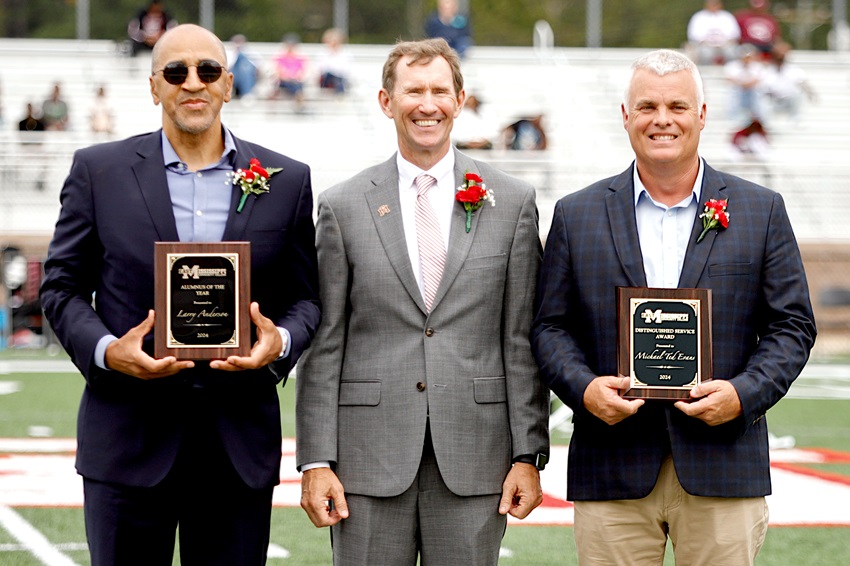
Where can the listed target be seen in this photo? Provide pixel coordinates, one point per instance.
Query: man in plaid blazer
(640, 470)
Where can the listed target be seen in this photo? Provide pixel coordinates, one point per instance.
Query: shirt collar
(172, 160)
(407, 171)
(640, 190)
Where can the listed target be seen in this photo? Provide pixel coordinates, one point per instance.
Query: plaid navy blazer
(763, 330)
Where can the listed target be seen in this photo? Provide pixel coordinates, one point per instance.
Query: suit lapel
(460, 242)
(696, 255)
(620, 202)
(237, 222)
(385, 208)
(151, 180)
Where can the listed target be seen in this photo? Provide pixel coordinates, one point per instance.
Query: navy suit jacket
(115, 205)
(763, 330)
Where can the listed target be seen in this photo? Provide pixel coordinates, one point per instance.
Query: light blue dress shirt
(664, 232)
(200, 199)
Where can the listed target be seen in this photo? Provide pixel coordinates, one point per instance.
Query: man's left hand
(521, 491)
(266, 349)
(717, 402)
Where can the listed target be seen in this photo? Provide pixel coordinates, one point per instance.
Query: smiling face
(663, 118)
(192, 107)
(423, 104)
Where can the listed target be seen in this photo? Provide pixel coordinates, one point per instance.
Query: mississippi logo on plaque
(202, 300)
(664, 344)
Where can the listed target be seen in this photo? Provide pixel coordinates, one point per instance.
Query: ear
(229, 92)
(461, 100)
(154, 95)
(625, 116)
(384, 101)
(702, 111)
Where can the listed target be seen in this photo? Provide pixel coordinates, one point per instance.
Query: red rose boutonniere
(472, 194)
(714, 217)
(254, 180)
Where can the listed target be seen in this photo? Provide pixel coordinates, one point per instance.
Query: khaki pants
(705, 531)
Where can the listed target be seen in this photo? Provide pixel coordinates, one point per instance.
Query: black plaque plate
(664, 342)
(202, 300)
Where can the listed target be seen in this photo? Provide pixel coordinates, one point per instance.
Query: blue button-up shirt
(201, 199)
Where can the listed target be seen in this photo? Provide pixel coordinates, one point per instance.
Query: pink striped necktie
(432, 252)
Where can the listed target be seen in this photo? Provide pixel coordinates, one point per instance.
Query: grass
(51, 399)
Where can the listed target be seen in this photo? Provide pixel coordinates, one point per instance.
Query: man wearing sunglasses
(168, 442)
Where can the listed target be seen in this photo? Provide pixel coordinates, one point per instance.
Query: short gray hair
(662, 62)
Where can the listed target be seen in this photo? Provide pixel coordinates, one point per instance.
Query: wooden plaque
(664, 344)
(202, 299)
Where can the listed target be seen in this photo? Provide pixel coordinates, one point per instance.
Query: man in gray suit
(421, 421)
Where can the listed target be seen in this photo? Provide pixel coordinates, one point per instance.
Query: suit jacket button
(420, 386)
(429, 332)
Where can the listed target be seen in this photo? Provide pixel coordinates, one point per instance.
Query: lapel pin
(383, 210)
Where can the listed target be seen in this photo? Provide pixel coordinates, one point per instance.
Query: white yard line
(32, 539)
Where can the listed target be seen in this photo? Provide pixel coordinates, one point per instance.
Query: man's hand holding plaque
(602, 398)
(126, 355)
(266, 349)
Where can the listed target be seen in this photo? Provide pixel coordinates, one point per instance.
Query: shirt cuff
(100, 350)
(313, 465)
(287, 342)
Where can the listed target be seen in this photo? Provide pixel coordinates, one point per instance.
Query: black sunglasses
(176, 73)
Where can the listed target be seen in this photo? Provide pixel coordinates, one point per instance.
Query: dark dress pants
(221, 520)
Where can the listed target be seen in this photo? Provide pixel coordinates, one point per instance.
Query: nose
(427, 104)
(193, 81)
(662, 116)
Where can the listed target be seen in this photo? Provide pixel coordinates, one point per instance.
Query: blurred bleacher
(578, 90)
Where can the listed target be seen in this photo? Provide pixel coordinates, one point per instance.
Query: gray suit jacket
(380, 364)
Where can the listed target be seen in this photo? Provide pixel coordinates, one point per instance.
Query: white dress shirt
(664, 232)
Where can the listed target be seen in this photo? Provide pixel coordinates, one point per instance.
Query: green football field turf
(50, 400)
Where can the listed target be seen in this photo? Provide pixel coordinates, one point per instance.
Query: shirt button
(429, 332)
(420, 386)
(199, 213)
(200, 174)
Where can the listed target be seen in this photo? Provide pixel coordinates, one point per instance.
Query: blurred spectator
(750, 142)
(785, 84)
(471, 129)
(448, 23)
(101, 115)
(713, 34)
(242, 66)
(54, 110)
(746, 75)
(525, 134)
(31, 122)
(148, 26)
(334, 62)
(291, 68)
(758, 26)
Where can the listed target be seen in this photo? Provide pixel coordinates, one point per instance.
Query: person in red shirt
(758, 26)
